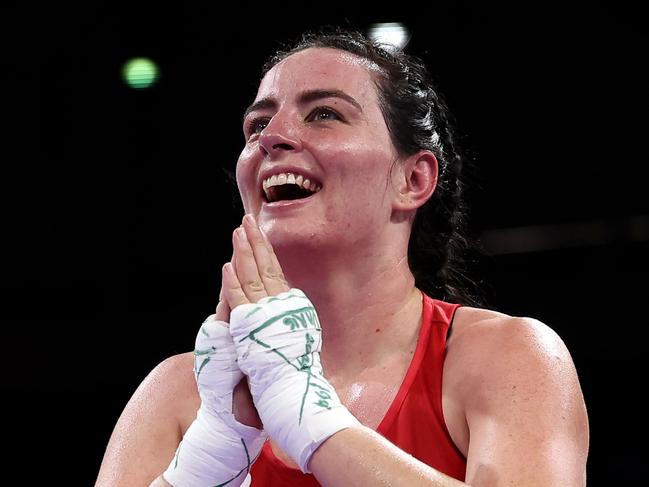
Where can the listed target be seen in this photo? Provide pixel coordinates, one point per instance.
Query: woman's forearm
(160, 482)
(359, 457)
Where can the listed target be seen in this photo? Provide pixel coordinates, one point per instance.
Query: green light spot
(140, 73)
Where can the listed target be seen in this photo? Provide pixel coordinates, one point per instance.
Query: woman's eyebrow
(305, 97)
(260, 105)
(312, 95)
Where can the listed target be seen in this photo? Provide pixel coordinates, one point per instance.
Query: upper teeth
(290, 178)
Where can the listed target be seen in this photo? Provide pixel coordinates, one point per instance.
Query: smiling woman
(345, 349)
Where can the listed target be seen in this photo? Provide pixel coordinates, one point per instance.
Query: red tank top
(414, 422)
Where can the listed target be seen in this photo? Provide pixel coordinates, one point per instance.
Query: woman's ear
(415, 181)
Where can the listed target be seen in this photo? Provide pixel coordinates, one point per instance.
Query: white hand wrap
(216, 449)
(278, 343)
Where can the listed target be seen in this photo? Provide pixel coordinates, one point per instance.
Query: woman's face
(316, 116)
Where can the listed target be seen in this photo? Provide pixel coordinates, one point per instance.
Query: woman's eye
(256, 125)
(319, 114)
(324, 113)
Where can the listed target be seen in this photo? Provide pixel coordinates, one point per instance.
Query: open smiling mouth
(288, 186)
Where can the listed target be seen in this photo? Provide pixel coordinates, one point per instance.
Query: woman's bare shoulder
(488, 349)
(504, 369)
(167, 392)
(512, 387)
(467, 316)
(172, 382)
(152, 424)
(478, 331)
(173, 374)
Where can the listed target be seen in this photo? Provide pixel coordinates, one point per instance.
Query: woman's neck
(368, 306)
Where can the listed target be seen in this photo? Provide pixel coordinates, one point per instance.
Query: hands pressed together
(270, 333)
(253, 273)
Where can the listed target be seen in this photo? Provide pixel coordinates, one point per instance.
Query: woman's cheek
(245, 175)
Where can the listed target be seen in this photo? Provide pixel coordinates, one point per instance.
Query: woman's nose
(278, 137)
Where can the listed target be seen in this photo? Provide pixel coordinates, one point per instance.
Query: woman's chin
(291, 238)
(298, 239)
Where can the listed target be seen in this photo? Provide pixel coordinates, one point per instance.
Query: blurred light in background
(393, 34)
(140, 73)
(567, 235)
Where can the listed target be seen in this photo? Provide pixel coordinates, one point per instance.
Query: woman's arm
(360, 457)
(524, 409)
(523, 403)
(153, 423)
(148, 431)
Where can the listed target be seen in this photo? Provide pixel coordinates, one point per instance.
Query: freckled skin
(352, 155)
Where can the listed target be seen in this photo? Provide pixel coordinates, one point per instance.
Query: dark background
(117, 217)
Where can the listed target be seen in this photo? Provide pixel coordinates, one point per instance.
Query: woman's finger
(268, 266)
(231, 288)
(222, 312)
(273, 256)
(222, 309)
(246, 267)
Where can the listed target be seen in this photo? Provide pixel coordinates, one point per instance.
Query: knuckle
(255, 285)
(256, 239)
(245, 250)
(269, 273)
